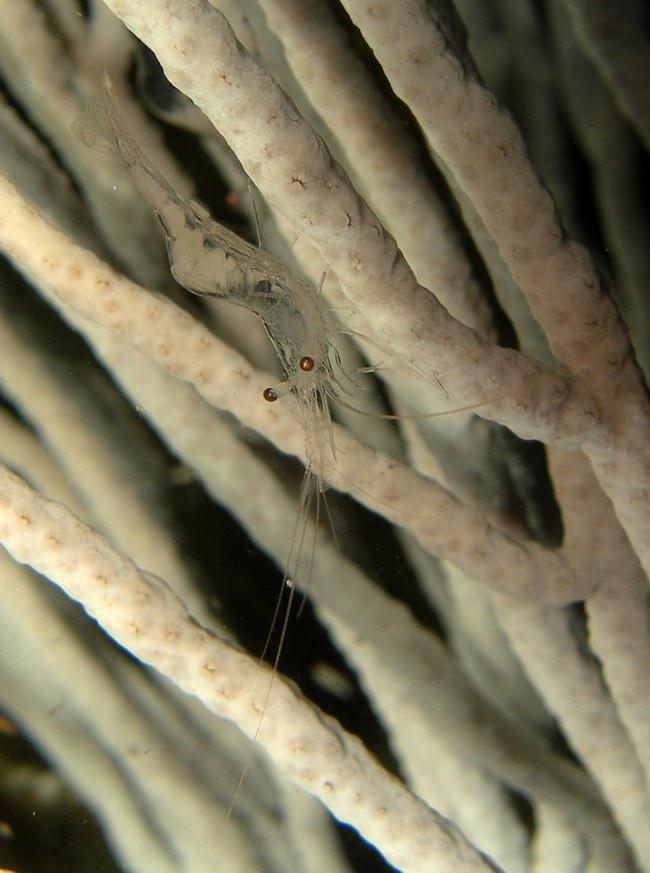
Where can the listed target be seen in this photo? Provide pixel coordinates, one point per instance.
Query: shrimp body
(208, 259)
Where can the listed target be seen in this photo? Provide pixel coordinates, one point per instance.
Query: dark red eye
(306, 364)
(270, 394)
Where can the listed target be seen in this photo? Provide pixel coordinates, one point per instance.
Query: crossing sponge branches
(389, 175)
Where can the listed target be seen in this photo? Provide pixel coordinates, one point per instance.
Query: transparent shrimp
(208, 259)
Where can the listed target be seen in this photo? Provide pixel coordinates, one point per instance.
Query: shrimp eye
(306, 364)
(270, 394)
